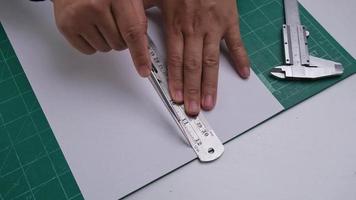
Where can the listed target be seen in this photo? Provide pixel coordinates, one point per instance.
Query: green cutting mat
(32, 165)
(261, 24)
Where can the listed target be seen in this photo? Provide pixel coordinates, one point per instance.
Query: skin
(194, 30)
(103, 25)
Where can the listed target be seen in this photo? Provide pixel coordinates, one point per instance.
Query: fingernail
(245, 72)
(178, 96)
(208, 102)
(193, 108)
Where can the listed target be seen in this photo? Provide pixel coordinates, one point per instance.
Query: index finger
(130, 17)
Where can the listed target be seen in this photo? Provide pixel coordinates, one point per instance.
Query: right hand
(103, 25)
(194, 30)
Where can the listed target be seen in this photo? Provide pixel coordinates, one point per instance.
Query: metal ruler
(298, 63)
(196, 130)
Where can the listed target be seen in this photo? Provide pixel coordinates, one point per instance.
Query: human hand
(103, 25)
(194, 29)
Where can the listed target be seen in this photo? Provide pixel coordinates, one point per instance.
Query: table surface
(307, 152)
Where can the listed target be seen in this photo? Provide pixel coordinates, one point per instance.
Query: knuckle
(210, 87)
(174, 26)
(236, 46)
(191, 65)
(211, 62)
(176, 79)
(175, 61)
(193, 92)
(135, 32)
(188, 31)
(193, 25)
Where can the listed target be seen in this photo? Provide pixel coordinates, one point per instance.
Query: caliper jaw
(318, 68)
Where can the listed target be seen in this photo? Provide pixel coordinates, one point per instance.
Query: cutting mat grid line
(261, 29)
(32, 165)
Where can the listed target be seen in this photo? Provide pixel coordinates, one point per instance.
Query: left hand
(194, 29)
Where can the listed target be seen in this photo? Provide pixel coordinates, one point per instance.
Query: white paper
(111, 125)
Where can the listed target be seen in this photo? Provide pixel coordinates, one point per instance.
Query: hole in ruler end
(211, 150)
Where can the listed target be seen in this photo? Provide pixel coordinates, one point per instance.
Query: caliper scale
(196, 130)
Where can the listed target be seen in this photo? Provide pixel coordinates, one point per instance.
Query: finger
(110, 32)
(149, 3)
(95, 39)
(80, 44)
(192, 56)
(211, 53)
(175, 65)
(237, 51)
(131, 19)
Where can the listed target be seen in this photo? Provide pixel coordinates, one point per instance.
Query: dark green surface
(261, 24)
(33, 167)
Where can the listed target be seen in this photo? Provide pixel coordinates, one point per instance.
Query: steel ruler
(196, 130)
